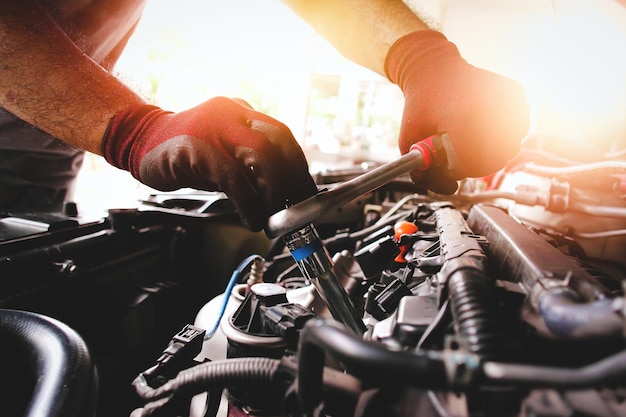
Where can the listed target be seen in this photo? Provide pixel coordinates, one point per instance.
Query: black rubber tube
(57, 361)
(473, 308)
(372, 362)
(611, 370)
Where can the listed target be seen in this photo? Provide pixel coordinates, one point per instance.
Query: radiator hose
(51, 369)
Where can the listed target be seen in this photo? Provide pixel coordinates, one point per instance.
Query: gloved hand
(484, 114)
(219, 145)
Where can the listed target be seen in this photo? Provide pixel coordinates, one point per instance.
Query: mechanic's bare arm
(46, 80)
(363, 31)
(223, 144)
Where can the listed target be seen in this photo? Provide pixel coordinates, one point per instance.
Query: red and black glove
(484, 115)
(219, 145)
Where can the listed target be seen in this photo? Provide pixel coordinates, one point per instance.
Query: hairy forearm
(363, 31)
(48, 82)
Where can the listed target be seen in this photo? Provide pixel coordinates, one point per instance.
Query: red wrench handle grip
(433, 154)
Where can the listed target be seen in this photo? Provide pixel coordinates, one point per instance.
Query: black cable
(436, 327)
(206, 376)
(213, 401)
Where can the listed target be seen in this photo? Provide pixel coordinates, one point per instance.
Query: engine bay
(503, 299)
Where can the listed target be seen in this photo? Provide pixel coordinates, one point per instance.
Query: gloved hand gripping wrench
(295, 225)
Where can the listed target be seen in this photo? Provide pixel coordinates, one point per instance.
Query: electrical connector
(178, 355)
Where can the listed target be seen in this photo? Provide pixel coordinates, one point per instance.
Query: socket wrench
(421, 156)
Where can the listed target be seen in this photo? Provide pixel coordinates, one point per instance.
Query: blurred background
(570, 55)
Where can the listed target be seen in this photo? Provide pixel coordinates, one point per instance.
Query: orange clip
(403, 228)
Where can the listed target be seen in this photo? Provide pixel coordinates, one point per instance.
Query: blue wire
(229, 288)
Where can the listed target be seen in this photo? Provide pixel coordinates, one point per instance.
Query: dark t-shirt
(37, 171)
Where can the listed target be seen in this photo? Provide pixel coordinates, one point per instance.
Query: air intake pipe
(571, 304)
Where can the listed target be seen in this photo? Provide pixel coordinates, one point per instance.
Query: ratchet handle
(422, 156)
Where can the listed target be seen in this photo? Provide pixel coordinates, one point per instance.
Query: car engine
(503, 299)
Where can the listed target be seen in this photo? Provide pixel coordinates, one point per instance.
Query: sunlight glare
(579, 76)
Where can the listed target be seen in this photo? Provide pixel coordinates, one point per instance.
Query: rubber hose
(58, 362)
(372, 362)
(566, 316)
(472, 305)
(605, 372)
